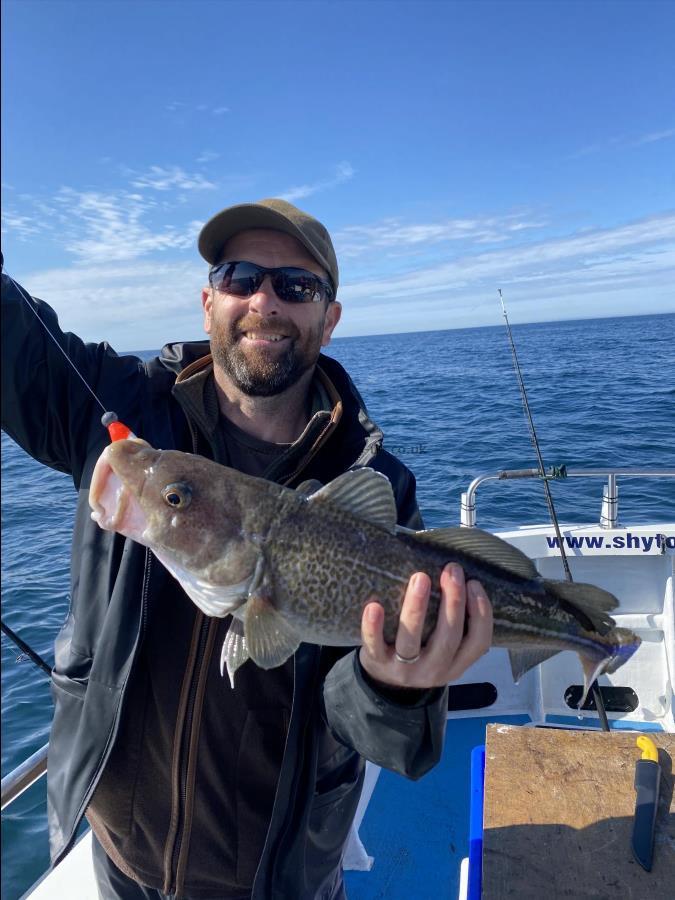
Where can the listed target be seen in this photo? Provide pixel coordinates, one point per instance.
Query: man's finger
(413, 612)
(372, 623)
(478, 638)
(449, 629)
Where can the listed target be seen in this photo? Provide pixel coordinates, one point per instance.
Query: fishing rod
(23, 646)
(595, 688)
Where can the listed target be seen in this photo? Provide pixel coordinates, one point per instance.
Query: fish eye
(177, 495)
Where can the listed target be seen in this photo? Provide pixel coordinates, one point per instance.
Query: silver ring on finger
(408, 660)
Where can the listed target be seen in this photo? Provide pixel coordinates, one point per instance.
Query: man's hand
(448, 652)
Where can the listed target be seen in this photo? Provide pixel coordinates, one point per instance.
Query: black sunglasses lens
(241, 279)
(297, 286)
(244, 285)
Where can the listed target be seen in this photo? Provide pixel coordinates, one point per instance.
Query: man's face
(264, 344)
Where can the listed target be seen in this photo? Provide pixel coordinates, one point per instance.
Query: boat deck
(416, 832)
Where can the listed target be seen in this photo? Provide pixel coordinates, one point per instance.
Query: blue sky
(451, 148)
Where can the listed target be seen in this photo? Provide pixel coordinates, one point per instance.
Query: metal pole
(21, 778)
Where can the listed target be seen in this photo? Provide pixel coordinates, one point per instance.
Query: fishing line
(109, 420)
(30, 306)
(595, 688)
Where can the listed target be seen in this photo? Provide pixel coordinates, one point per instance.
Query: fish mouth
(113, 505)
(108, 496)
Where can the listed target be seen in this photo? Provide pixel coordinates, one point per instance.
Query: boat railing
(609, 512)
(25, 774)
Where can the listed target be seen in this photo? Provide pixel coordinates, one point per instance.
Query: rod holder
(609, 514)
(468, 510)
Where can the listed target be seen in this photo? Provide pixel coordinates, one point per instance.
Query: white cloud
(180, 106)
(99, 227)
(654, 136)
(21, 227)
(553, 276)
(165, 179)
(137, 304)
(623, 141)
(123, 224)
(207, 156)
(397, 234)
(343, 172)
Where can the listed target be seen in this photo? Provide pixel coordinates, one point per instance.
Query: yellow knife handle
(648, 748)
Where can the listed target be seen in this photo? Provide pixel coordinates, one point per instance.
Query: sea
(601, 393)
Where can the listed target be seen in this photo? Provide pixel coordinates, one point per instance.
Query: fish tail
(624, 645)
(607, 659)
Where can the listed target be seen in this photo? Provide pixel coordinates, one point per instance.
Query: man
(194, 789)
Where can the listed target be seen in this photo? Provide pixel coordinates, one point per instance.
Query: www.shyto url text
(646, 543)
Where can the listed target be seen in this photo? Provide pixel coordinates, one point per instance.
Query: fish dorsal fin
(363, 492)
(483, 546)
(311, 486)
(270, 640)
(524, 660)
(591, 601)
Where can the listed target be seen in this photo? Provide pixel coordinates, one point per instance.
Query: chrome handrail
(610, 499)
(25, 774)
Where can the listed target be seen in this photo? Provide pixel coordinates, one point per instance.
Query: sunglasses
(243, 279)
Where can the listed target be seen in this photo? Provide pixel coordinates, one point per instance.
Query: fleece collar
(195, 389)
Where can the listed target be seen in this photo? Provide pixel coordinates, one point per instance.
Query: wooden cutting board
(558, 815)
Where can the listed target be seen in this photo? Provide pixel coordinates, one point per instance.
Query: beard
(264, 372)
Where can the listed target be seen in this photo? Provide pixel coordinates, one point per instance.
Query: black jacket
(47, 410)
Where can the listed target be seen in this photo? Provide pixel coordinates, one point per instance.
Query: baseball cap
(276, 214)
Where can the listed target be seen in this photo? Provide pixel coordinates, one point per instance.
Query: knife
(647, 778)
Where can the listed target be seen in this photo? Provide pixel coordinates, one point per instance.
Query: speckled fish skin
(244, 542)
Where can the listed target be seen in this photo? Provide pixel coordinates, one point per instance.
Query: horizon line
(350, 337)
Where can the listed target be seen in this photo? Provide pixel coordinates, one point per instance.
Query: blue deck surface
(418, 832)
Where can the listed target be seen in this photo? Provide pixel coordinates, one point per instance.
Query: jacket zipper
(186, 735)
(185, 751)
(269, 879)
(276, 792)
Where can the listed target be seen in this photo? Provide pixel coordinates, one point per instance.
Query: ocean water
(602, 393)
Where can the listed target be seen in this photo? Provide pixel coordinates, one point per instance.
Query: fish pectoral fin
(524, 660)
(481, 545)
(269, 638)
(591, 601)
(235, 650)
(364, 493)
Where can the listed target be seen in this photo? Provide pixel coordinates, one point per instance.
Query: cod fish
(300, 565)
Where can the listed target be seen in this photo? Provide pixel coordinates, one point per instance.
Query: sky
(451, 148)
